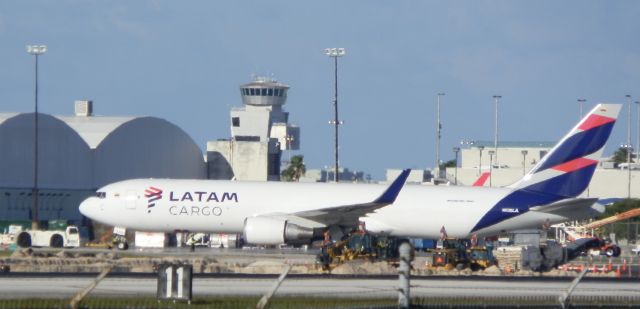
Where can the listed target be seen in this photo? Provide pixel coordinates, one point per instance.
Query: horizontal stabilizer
(568, 207)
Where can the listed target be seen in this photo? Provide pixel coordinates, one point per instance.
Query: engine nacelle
(273, 231)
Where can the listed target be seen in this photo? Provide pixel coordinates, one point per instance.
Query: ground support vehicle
(119, 238)
(449, 253)
(360, 245)
(454, 253)
(480, 258)
(67, 238)
(8, 239)
(595, 246)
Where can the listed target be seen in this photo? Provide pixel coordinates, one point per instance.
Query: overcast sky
(185, 60)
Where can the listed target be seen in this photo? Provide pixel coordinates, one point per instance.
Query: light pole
(491, 153)
(335, 53)
(638, 133)
(35, 50)
(495, 139)
(289, 139)
(581, 105)
(438, 133)
(480, 148)
(629, 146)
(524, 160)
(456, 150)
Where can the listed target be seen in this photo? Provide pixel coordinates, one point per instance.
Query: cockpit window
(101, 194)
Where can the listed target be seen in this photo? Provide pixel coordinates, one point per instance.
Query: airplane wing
(348, 215)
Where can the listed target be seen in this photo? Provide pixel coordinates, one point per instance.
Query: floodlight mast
(581, 105)
(335, 53)
(495, 139)
(35, 50)
(629, 146)
(438, 134)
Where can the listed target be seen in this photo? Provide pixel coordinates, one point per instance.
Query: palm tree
(295, 170)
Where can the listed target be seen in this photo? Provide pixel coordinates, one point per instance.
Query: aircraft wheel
(122, 245)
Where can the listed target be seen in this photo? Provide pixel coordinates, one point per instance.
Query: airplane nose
(88, 207)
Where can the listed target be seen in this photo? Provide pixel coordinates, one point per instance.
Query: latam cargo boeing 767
(280, 212)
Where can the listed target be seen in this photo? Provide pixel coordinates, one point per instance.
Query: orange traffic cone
(618, 272)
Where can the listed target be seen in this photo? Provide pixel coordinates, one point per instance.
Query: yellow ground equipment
(449, 253)
(480, 258)
(359, 245)
(453, 253)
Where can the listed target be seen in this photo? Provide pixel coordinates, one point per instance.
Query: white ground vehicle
(9, 238)
(69, 237)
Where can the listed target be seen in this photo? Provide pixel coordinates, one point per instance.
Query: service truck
(66, 238)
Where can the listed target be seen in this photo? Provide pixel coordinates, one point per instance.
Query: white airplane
(280, 212)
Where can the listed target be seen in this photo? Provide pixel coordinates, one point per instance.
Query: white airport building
(80, 153)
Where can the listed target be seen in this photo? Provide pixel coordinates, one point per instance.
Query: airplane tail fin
(567, 169)
(481, 180)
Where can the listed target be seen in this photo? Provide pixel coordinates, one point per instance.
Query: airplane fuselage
(222, 206)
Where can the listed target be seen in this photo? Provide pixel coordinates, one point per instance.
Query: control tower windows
(235, 121)
(264, 92)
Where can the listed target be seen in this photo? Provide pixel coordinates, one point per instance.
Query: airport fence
(577, 301)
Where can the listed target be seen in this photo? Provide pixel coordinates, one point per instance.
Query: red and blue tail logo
(565, 172)
(567, 169)
(152, 194)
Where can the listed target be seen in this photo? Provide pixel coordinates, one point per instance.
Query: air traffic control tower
(260, 131)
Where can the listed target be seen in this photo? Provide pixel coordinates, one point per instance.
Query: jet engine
(274, 231)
